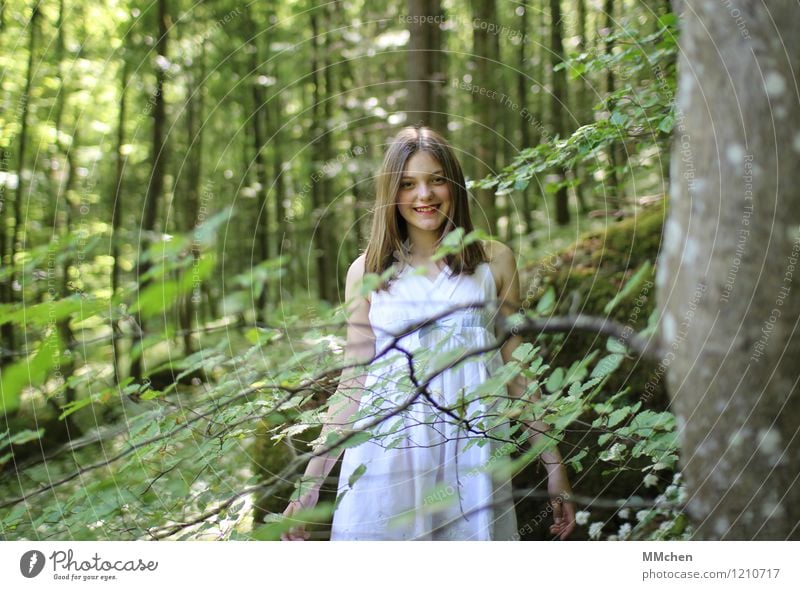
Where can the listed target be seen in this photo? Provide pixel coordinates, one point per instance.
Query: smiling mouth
(426, 210)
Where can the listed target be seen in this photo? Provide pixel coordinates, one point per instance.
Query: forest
(183, 186)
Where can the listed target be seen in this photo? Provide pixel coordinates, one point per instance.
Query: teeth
(424, 209)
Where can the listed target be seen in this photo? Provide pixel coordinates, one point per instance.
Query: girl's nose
(424, 190)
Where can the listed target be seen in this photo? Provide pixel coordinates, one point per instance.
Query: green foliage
(29, 372)
(146, 454)
(639, 113)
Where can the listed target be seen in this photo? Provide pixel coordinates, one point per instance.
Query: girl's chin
(429, 227)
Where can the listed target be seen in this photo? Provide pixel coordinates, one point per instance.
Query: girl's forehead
(422, 163)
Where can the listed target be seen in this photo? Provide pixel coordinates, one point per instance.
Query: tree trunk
(187, 307)
(426, 72)
(485, 111)
(319, 224)
(155, 186)
(260, 125)
(116, 207)
(523, 82)
(615, 156)
(8, 331)
(329, 222)
(279, 182)
(726, 278)
(559, 103)
(581, 108)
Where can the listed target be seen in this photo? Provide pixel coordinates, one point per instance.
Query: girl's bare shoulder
(496, 250)
(501, 262)
(357, 268)
(355, 275)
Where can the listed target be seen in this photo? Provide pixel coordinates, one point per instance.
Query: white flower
(624, 530)
(595, 529)
(666, 526)
(582, 517)
(614, 453)
(642, 514)
(624, 514)
(650, 480)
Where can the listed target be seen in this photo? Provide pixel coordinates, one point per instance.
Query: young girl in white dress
(429, 470)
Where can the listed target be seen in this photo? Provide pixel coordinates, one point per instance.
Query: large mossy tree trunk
(726, 279)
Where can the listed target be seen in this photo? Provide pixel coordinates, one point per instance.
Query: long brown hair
(389, 229)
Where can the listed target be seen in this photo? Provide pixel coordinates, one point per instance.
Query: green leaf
(618, 416)
(575, 461)
(523, 352)
(455, 241)
(567, 414)
(43, 314)
(555, 381)
(356, 475)
(161, 295)
(578, 369)
(668, 20)
(607, 365)
(19, 438)
(619, 119)
(547, 302)
(272, 530)
(521, 184)
(615, 346)
(604, 438)
(355, 440)
(631, 286)
(667, 123)
(29, 372)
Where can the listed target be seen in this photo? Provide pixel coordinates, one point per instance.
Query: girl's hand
(304, 502)
(563, 510)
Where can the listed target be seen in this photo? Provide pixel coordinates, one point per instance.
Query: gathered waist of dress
(453, 322)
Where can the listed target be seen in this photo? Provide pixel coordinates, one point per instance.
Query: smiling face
(423, 198)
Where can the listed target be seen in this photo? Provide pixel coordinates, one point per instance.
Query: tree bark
(485, 111)
(9, 297)
(559, 103)
(260, 125)
(615, 156)
(581, 103)
(523, 81)
(187, 306)
(155, 186)
(727, 278)
(321, 218)
(116, 206)
(426, 66)
(7, 329)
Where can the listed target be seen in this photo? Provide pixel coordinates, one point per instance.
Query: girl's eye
(438, 180)
(405, 185)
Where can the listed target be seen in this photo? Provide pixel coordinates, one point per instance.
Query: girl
(429, 470)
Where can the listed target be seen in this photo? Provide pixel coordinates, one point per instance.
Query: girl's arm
(558, 482)
(360, 348)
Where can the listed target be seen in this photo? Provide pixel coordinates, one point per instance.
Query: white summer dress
(429, 473)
